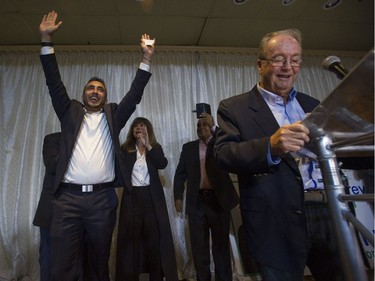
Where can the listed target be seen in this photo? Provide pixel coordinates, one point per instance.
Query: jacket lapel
(108, 115)
(266, 120)
(263, 116)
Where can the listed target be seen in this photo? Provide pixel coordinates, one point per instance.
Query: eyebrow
(93, 86)
(283, 56)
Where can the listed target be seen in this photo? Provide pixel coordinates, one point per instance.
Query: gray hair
(295, 33)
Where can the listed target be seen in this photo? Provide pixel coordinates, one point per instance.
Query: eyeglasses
(278, 62)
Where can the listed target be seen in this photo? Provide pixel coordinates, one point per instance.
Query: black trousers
(45, 254)
(138, 239)
(78, 216)
(216, 221)
(323, 258)
(146, 232)
(45, 257)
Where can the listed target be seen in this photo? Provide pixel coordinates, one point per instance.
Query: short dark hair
(95, 78)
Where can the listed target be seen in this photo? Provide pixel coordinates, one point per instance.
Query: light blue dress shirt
(286, 114)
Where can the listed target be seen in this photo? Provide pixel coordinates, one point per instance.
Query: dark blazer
(271, 198)
(71, 112)
(188, 169)
(155, 160)
(43, 214)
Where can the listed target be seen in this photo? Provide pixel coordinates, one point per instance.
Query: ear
(259, 64)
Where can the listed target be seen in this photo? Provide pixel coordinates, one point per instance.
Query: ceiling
(214, 23)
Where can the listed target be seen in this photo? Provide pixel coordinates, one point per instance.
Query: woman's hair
(129, 144)
(295, 33)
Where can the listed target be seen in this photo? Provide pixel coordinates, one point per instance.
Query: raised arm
(48, 26)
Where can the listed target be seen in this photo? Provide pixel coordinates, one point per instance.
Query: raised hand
(142, 138)
(147, 49)
(48, 26)
(207, 118)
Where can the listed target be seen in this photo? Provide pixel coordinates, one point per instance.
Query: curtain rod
(162, 49)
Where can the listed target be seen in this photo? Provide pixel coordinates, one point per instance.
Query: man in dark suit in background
(210, 196)
(90, 164)
(43, 214)
(260, 139)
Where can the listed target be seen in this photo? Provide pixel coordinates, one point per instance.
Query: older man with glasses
(285, 217)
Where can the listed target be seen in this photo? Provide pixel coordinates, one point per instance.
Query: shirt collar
(97, 112)
(205, 142)
(274, 99)
(139, 155)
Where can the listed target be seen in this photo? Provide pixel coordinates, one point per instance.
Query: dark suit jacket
(188, 169)
(271, 198)
(43, 214)
(71, 112)
(124, 262)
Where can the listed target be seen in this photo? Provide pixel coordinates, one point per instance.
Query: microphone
(333, 64)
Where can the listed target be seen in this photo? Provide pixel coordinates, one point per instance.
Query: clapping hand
(207, 118)
(142, 138)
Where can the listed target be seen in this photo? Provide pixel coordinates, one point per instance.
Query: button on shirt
(93, 158)
(140, 175)
(205, 182)
(290, 113)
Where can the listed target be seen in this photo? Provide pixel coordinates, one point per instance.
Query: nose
(287, 64)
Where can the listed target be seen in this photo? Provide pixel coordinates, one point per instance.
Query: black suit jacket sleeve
(50, 150)
(180, 176)
(223, 186)
(157, 157)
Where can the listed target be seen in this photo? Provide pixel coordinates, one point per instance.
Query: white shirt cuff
(145, 67)
(47, 50)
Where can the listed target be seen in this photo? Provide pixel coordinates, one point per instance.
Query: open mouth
(284, 76)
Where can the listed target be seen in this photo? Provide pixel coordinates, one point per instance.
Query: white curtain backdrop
(181, 78)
